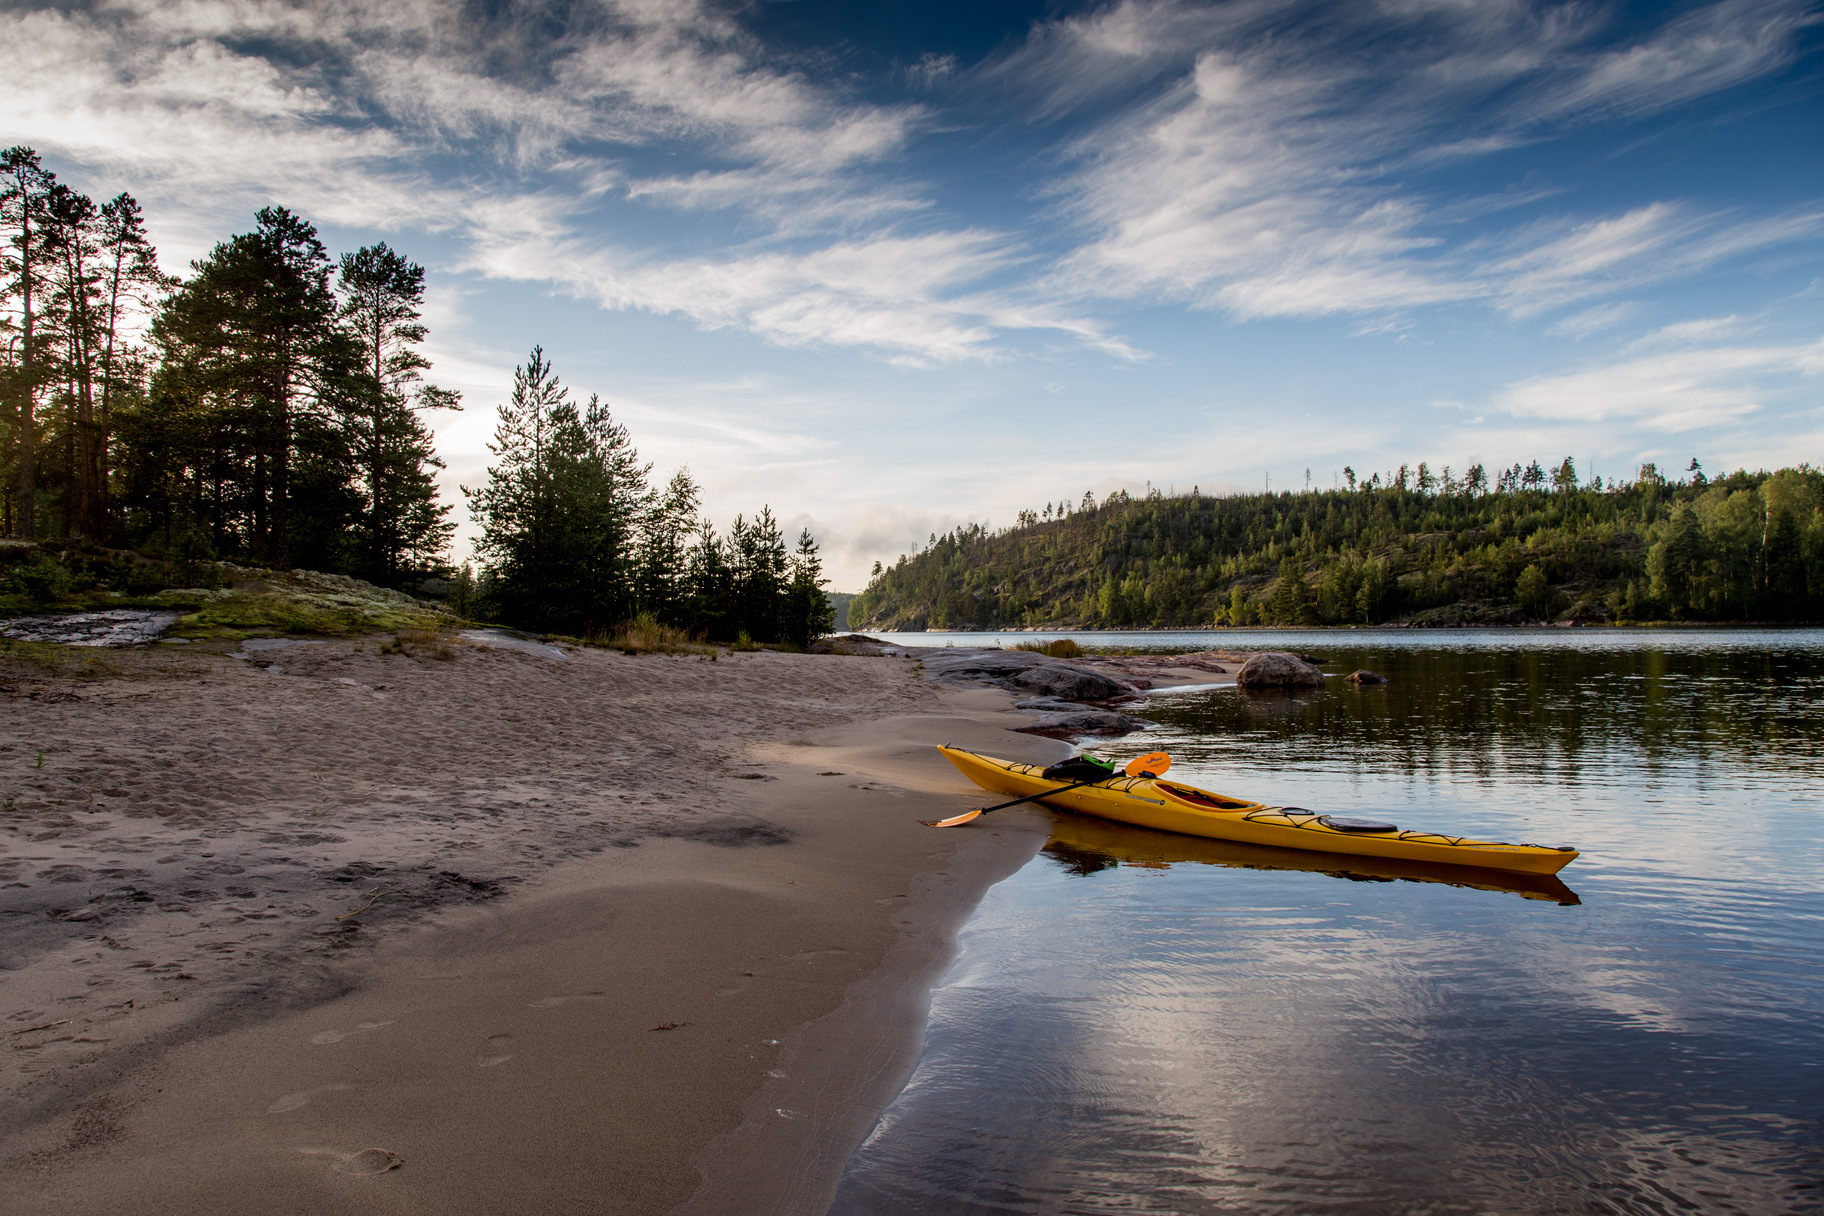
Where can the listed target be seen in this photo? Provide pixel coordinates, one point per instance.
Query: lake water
(1139, 1022)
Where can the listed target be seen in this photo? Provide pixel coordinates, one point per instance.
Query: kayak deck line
(1177, 807)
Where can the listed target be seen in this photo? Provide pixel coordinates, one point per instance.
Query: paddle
(1153, 764)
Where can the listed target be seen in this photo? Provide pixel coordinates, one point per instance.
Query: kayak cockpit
(1202, 799)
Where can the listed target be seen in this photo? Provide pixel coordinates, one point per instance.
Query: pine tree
(808, 613)
(708, 585)
(130, 283)
(401, 524)
(561, 511)
(25, 186)
(254, 356)
(757, 557)
(664, 550)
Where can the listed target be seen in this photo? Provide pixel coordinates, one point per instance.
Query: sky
(895, 266)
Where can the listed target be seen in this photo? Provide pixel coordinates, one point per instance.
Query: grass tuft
(645, 635)
(1063, 648)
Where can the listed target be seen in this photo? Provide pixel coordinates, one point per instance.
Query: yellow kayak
(1173, 806)
(1088, 845)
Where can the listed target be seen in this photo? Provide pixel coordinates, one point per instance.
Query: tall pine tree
(400, 526)
(25, 186)
(253, 353)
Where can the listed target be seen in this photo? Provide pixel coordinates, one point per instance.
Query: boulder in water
(1277, 669)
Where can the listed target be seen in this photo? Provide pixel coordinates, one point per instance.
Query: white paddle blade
(950, 823)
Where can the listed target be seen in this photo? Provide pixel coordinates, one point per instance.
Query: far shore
(350, 931)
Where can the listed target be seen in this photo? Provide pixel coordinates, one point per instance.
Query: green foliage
(1749, 546)
(561, 509)
(399, 525)
(575, 540)
(1533, 592)
(839, 609)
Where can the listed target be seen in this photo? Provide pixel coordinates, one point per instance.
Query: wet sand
(624, 931)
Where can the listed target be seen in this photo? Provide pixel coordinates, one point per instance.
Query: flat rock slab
(857, 644)
(1023, 671)
(1085, 722)
(113, 627)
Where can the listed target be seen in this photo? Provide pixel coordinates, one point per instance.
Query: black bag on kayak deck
(1079, 768)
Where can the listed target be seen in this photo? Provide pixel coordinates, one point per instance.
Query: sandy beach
(322, 928)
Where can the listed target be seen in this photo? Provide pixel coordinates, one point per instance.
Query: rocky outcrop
(112, 627)
(1024, 672)
(1277, 669)
(1364, 676)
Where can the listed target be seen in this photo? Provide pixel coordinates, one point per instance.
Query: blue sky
(891, 267)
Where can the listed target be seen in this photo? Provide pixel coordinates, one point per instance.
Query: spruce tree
(664, 550)
(808, 612)
(561, 510)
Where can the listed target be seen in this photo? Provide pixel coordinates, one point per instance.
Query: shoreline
(595, 1034)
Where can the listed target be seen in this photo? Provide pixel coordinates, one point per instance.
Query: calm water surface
(1139, 1022)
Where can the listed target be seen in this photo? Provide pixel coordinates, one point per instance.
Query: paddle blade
(1153, 764)
(950, 823)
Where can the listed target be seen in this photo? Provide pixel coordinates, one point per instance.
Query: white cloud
(1703, 51)
(1562, 262)
(342, 120)
(1679, 390)
(1263, 174)
(1593, 320)
(1688, 333)
(917, 299)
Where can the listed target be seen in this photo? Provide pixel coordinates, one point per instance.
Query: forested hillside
(1536, 545)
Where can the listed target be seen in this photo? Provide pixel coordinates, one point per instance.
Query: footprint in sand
(302, 1098)
(495, 1051)
(366, 1161)
(336, 1036)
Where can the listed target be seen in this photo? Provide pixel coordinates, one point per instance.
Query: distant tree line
(1523, 544)
(269, 408)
